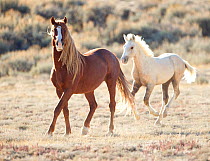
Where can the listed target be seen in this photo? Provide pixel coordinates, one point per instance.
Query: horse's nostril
(124, 60)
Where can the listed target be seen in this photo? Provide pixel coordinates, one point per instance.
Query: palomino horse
(150, 71)
(74, 73)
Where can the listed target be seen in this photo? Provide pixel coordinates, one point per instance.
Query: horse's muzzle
(59, 46)
(124, 60)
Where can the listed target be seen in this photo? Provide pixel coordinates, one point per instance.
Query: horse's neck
(143, 62)
(56, 56)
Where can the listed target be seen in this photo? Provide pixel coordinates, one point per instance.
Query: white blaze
(59, 38)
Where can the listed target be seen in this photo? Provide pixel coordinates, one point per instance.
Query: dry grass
(27, 108)
(27, 102)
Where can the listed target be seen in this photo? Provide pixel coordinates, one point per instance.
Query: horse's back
(175, 60)
(106, 56)
(102, 53)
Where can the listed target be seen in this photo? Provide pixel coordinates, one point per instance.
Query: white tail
(190, 73)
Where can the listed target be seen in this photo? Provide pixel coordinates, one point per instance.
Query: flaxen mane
(70, 56)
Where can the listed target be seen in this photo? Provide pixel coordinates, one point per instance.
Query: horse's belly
(91, 82)
(164, 76)
(84, 88)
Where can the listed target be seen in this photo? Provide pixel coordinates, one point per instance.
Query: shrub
(162, 11)
(20, 65)
(204, 24)
(32, 34)
(179, 14)
(191, 49)
(99, 15)
(4, 47)
(58, 9)
(42, 68)
(6, 5)
(202, 80)
(75, 17)
(4, 70)
(24, 61)
(125, 14)
(176, 10)
(11, 41)
(147, 5)
(151, 35)
(10, 67)
(24, 36)
(68, 3)
(49, 9)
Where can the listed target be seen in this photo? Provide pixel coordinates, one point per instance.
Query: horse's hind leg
(111, 84)
(175, 83)
(93, 105)
(149, 90)
(165, 96)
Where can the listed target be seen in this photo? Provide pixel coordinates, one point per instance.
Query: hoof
(157, 122)
(85, 130)
(48, 133)
(137, 117)
(155, 113)
(67, 134)
(109, 134)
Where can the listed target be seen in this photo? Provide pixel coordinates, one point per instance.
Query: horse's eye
(131, 47)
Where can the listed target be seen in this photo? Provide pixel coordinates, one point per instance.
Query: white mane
(144, 46)
(140, 41)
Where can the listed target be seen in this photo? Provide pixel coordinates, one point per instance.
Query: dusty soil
(26, 110)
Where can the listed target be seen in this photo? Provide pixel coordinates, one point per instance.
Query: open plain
(27, 105)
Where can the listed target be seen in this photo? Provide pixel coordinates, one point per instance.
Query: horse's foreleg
(93, 105)
(148, 93)
(135, 87)
(62, 103)
(65, 112)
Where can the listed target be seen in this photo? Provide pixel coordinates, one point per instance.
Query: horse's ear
(125, 37)
(52, 20)
(65, 19)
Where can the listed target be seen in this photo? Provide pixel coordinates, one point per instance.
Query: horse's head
(58, 31)
(129, 48)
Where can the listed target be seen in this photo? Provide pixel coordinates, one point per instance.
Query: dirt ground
(26, 111)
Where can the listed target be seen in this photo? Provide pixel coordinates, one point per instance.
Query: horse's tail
(127, 97)
(190, 73)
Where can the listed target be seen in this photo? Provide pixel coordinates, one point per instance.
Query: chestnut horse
(76, 73)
